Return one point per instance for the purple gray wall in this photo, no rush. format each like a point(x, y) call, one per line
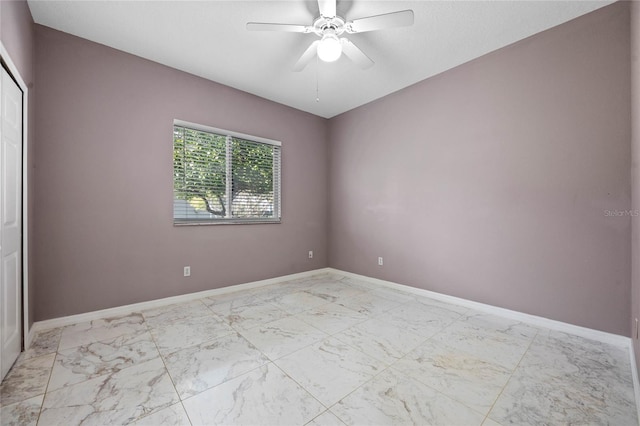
point(491, 181)
point(635, 171)
point(17, 35)
point(103, 218)
point(488, 182)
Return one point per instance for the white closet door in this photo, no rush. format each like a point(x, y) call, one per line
point(10, 221)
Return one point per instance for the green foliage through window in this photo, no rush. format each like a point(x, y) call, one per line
point(224, 178)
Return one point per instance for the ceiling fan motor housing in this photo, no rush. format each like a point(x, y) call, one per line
point(335, 23)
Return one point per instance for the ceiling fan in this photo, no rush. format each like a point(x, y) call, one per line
point(329, 27)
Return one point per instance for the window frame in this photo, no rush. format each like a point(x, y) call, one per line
point(277, 180)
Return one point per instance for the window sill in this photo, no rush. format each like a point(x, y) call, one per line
point(227, 222)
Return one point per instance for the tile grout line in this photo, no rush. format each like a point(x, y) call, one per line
point(391, 366)
point(422, 342)
point(294, 351)
point(386, 368)
point(304, 389)
point(101, 340)
point(46, 389)
point(510, 376)
point(324, 412)
point(439, 391)
point(382, 370)
point(374, 316)
point(237, 332)
point(234, 330)
point(328, 335)
point(168, 374)
point(58, 354)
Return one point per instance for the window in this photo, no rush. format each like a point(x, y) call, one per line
point(224, 177)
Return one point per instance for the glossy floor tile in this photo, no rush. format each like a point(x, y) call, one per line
point(324, 350)
point(569, 379)
point(332, 318)
point(284, 336)
point(245, 313)
point(23, 413)
point(198, 368)
point(297, 302)
point(263, 396)
point(117, 398)
point(463, 376)
point(173, 336)
point(44, 342)
point(330, 370)
point(102, 329)
point(97, 359)
point(26, 379)
point(326, 419)
point(392, 398)
point(170, 416)
point(425, 320)
point(383, 341)
point(176, 313)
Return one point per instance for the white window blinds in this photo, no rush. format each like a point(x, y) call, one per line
point(224, 177)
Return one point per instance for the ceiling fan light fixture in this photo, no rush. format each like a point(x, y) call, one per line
point(329, 48)
point(329, 26)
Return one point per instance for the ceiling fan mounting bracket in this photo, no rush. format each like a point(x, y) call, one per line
point(323, 24)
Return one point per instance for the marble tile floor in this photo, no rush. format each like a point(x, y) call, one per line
point(324, 350)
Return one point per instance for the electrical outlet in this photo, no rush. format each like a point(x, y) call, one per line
point(380, 261)
point(310, 254)
point(187, 271)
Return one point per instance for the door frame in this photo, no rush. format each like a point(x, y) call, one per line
point(13, 70)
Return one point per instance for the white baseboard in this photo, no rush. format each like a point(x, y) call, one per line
point(30, 335)
point(535, 320)
point(589, 333)
point(634, 375)
point(137, 307)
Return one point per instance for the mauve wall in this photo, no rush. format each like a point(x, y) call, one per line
point(635, 171)
point(490, 181)
point(17, 35)
point(103, 220)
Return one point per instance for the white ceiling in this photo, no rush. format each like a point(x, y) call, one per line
point(209, 39)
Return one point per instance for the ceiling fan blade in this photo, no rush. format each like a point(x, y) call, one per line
point(402, 18)
point(327, 8)
point(290, 28)
point(307, 56)
point(355, 54)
